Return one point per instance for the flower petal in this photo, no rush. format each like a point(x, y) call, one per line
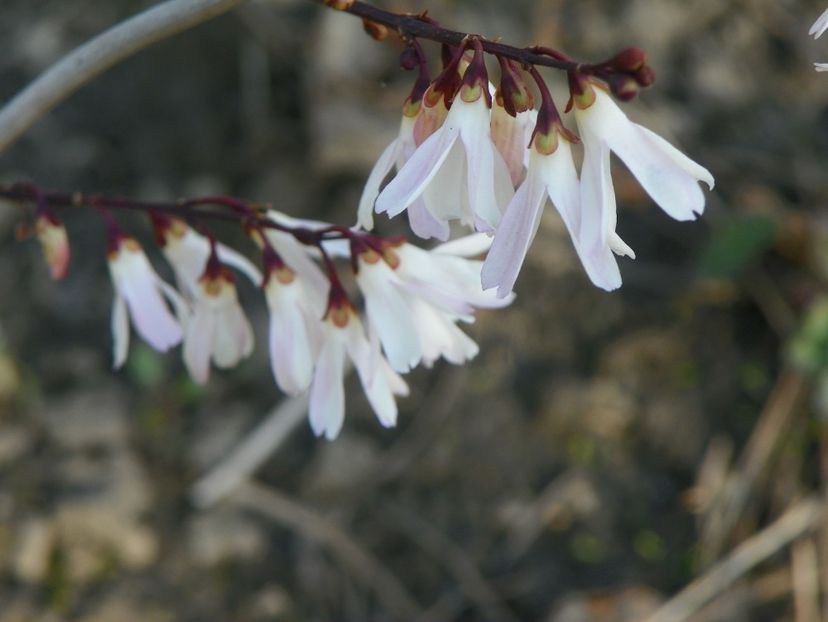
point(415, 175)
point(326, 408)
point(120, 331)
point(514, 235)
point(383, 166)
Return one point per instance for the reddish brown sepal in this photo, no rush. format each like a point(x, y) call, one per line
point(513, 93)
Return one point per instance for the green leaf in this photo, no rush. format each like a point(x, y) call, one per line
point(734, 246)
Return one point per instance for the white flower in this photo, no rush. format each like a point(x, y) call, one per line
point(419, 121)
point(218, 328)
point(459, 165)
point(139, 295)
point(187, 253)
point(343, 335)
point(509, 135)
point(413, 300)
point(552, 174)
point(669, 177)
point(294, 327)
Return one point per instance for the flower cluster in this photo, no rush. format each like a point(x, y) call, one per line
point(413, 302)
point(485, 157)
point(467, 151)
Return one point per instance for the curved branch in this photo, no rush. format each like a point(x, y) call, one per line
point(96, 56)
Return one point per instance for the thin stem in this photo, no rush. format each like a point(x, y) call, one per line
point(237, 211)
point(416, 26)
point(99, 54)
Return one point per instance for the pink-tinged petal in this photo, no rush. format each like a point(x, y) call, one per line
point(291, 356)
point(420, 169)
point(198, 343)
point(820, 25)
point(180, 306)
point(597, 218)
point(423, 224)
point(233, 337)
point(509, 136)
point(563, 186)
point(389, 314)
point(515, 234)
point(669, 177)
point(150, 315)
point(327, 394)
point(447, 197)
point(120, 332)
point(440, 337)
point(372, 375)
point(480, 160)
point(383, 166)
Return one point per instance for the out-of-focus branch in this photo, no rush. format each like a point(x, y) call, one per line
point(98, 55)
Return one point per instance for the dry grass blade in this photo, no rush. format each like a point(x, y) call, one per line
point(288, 512)
point(797, 521)
point(805, 571)
point(473, 584)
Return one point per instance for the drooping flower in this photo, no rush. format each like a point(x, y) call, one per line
point(414, 299)
point(551, 173)
point(139, 295)
point(461, 150)
point(512, 115)
point(294, 325)
point(343, 335)
point(218, 329)
point(669, 177)
point(55, 243)
point(187, 252)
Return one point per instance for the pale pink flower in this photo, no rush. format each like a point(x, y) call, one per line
point(551, 174)
point(509, 134)
point(139, 295)
point(294, 326)
point(419, 121)
point(414, 299)
point(218, 329)
point(343, 335)
point(187, 252)
point(669, 177)
point(460, 167)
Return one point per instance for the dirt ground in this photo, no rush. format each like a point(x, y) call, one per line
point(601, 453)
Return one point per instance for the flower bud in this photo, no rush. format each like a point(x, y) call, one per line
point(628, 61)
point(623, 87)
point(55, 244)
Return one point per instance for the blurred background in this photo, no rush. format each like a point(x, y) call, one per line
point(603, 452)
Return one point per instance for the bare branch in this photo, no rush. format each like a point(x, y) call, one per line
point(96, 56)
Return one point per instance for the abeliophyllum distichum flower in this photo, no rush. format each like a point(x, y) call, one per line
point(413, 298)
point(467, 153)
point(494, 161)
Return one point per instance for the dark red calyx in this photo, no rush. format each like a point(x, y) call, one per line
point(339, 309)
point(623, 87)
point(475, 82)
point(448, 82)
point(513, 93)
